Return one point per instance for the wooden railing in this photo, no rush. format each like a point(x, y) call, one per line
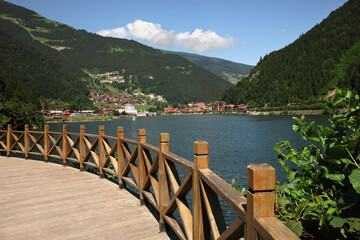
point(153, 171)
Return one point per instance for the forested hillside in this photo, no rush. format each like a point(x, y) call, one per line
point(325, 57)
point(230, 71)
point(36, 71)
point(77, 51)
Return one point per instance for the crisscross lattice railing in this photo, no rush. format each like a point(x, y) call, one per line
point(186, 194)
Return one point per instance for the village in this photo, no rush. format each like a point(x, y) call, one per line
point(106, 104)
point(135, 103)
point(201, 107)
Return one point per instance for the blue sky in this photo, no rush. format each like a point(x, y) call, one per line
point(236, 30)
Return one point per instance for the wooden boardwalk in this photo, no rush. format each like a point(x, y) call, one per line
point(41, 200)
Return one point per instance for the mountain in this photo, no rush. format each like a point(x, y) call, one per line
point(77, 53)
point(230, 71)
point(34, 70)
point(327, 56)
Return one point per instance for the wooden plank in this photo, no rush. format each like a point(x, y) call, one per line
point(235, 231)
point(114, 163)
point(130, 181)
point(33, 205)
point(91, 135)
point(73, 159)
point(175, 226)
point(35, 141)
point(3, 144)
point(146, 160)
point(113, 149)
point(110, 171)
point(134, 155)
point(107, 147)
point(130, 161)
point(55, 145)
point(95, 157)
point(135, 173)
point(17, 141)
point(271, 228)
point(183, 190)
point(150, 147)
point(36, 153)
point(232, 197)
point(52, 139)
point(126, 151)
point(186, 218)
point(77, 153)
point(151, 199)
point(210, 214)
point(155, 166)
point(90, 164)
point(110, 137)
point(182, 162)
point(152, 173)
point(4, 134)
point(173, 181)
point(55, 156)
point(132, 142)
point(155, 185)
point(88, 143)
point(70, 140)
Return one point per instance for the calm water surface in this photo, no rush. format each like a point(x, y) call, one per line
point(234, 141)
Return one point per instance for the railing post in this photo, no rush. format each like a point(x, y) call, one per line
point(101, 151)
point(121, 157)
point(8, 140)
point(260, 196)
point(164, 197)
point(46, 143)
point(201, 160)
point(141, 163)
point(65, 143)
point(26, 141)
point(82, 147)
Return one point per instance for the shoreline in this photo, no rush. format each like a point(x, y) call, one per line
point(80, 119)
point(252, 113)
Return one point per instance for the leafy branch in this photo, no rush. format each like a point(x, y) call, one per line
point(321, 197)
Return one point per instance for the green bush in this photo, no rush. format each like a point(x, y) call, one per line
point(18, 113)
point(321, 196)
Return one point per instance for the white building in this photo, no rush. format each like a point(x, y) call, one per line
point(130, 109)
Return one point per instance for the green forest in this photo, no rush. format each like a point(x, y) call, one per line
point(303, 72)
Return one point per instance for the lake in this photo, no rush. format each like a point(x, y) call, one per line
point(235, 141)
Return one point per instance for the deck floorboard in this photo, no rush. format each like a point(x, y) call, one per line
point(41, 200)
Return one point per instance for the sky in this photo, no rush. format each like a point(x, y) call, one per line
point(236, 30)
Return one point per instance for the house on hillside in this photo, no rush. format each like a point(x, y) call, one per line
point(241, 107)
point(200, 104)
point(171, 110)
point(220, 106)
point(130, 109)
point(121, 109)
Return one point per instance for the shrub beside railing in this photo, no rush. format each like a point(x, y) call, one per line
point(153, 171)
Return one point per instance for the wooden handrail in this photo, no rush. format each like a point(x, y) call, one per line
point(156, 173)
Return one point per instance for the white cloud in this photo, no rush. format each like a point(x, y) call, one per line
point(198, 40)
point(151, 32)
point(201, 41)
point(115, 32)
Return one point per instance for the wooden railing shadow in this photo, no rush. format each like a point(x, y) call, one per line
point(153, 172)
